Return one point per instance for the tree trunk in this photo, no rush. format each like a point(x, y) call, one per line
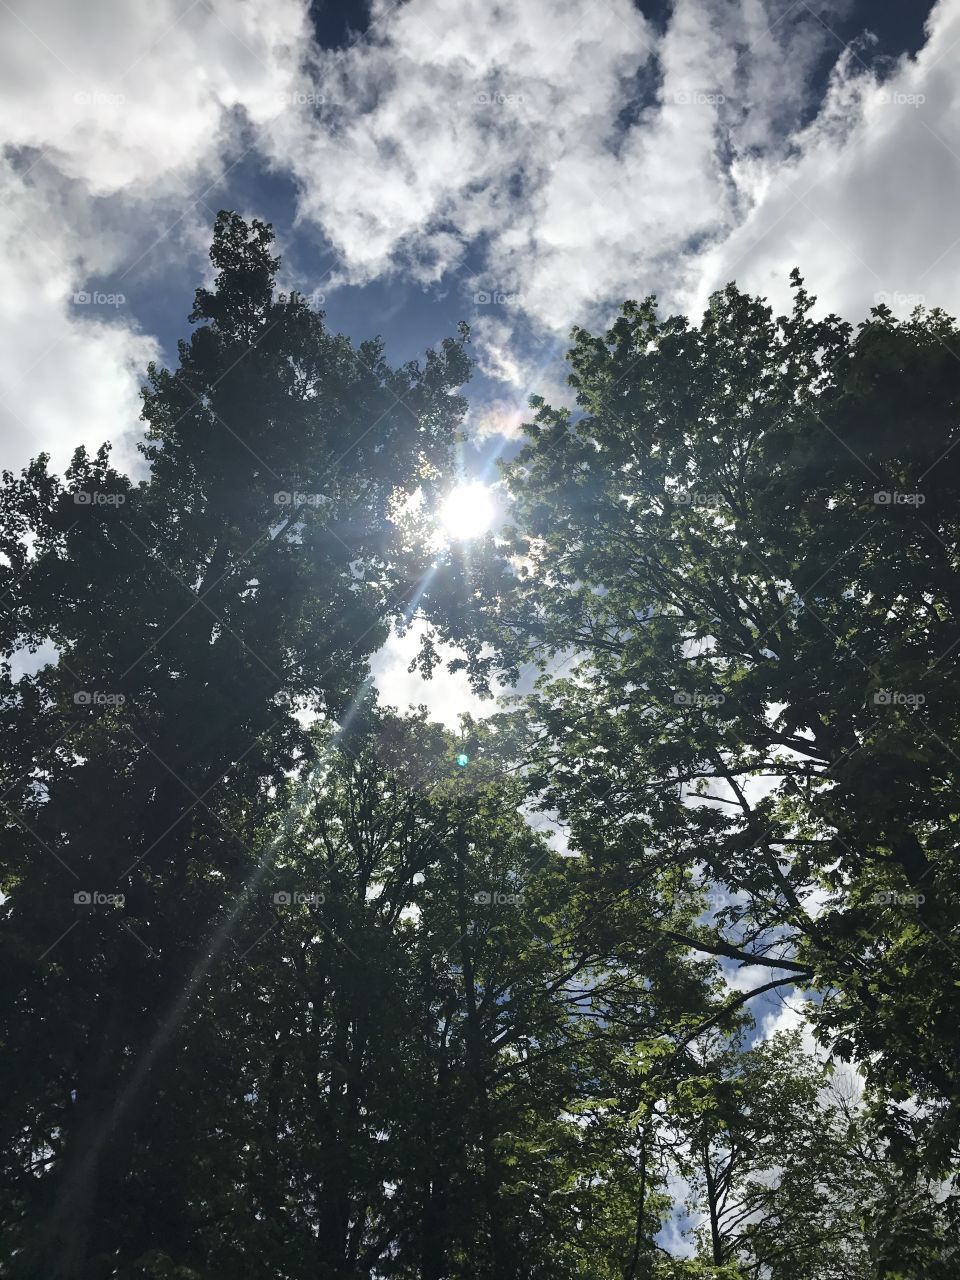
point(715, 1239)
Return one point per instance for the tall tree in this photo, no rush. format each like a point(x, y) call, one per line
point(789, 1177)
point(746, 543)
point(254, 569)
point(309, 995)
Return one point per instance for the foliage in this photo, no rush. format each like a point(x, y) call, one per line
point(736, 566)
point(329, 1003)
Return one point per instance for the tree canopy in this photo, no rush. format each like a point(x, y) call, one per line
point(296, 985)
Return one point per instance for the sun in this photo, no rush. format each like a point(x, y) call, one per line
point(467, 511)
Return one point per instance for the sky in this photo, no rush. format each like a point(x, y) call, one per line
point(523, 167)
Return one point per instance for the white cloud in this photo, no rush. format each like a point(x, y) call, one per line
point(576, 153)
point(126, 92)
point(479, 124)
point(442, 110)
point(68, 373)
point(863, 207)
point(498, 129)
point(111, 115)
point(446, 695)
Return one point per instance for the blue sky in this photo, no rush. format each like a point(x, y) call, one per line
point(412, 315)
point(559, 156)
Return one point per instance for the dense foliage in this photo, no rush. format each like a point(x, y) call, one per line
point(296, 986)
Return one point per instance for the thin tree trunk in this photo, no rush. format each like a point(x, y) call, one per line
point(631, 1271)
point(475, 1054)
point(716, 1241)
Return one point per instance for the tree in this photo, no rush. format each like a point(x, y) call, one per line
point(448, 1039)
point(295, 984)
point(744, 544)
point(253, 571)
point(789, 1176)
